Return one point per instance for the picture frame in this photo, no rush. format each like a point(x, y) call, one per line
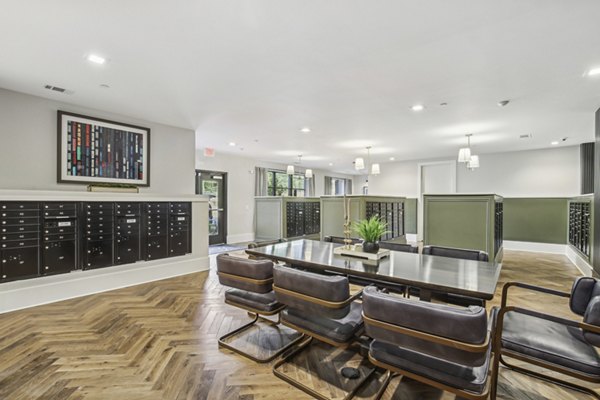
point(94, 150)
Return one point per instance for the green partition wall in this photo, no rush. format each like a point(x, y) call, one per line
point(410, 216)
point(464, 221)
point(541, 220)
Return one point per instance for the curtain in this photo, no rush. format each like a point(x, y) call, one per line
point(309, 186)
point(348, 186)
point(327, 185)
point(260, 182)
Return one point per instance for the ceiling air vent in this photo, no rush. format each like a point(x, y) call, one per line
point(526, 136)
point(58, 89)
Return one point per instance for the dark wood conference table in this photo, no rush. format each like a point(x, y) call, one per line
point(428, 273)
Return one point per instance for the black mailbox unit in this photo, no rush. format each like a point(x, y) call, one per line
point(157, 230)
point(19, 240)
point(59, 237)
point(44, 238)
point(180, 217)
point(127, 232)
point(97, 246)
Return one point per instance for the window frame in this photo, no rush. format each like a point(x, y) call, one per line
point(291, 190)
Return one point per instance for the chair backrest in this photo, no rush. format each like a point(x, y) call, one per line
point(412, 324)
point(254, 245)
point(403, 247)
point(246, 274)
point(451, 252)
point(339, 239)
point(310, 292)
point(585, 301)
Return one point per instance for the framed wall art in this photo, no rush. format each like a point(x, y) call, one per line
point(93, 150)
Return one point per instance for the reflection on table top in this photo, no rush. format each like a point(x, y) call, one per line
point(450, 275)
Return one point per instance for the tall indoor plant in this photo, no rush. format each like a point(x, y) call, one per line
point(370, 231)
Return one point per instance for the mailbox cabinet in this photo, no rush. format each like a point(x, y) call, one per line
point(53, 237)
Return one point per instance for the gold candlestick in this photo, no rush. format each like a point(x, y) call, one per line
point(347, 230)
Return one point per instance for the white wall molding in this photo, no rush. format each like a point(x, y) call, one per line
point(240, 238)
point(48, 289)
point(535, 247)
point(580, 262)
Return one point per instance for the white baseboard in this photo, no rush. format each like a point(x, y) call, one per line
point(412, 237)
point(48, 289)
point(580, 262)
point(535, 247)
point(240, 238)
point(573, 256)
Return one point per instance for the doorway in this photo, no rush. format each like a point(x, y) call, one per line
point(213, 184)
point(434, 178)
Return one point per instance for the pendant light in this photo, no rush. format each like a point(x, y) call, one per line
point(375, 169)
point(308, 174)
point(290, 170)
point(359, 163)
point(464, 154)
point(473, 162)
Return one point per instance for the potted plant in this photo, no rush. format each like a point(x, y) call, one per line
point(370, 230)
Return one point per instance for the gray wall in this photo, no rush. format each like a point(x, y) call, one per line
point(28, 146)
point(552, 172)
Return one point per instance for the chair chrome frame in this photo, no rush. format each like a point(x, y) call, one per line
point(258, 314)
point(311, 335)
point(499, 351)
point(393, 370)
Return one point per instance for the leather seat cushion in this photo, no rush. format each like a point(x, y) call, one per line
point(258, 301)
point(473, 379)
point(550, 341)
point(339, 330)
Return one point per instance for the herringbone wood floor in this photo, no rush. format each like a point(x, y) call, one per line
point(159, 341)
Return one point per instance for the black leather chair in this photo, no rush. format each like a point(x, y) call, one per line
point(443, 346)
point(402, 247)
point(562, 345)
point(451, 252)
point(340, 239)
point(252, 290)
point(463, 254)
point(321, 308)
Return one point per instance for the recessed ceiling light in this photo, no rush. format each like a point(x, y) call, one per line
point(96, 59)
point(554, 143)
point(104, 86)
point(594, 71)
point(418, 107)
point(444, 104)
point(331, 164)
point(232, 144)
point(392, 158)
point(503, 103)
point(306, 129)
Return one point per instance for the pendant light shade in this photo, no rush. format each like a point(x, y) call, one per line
point(359, 163)
point(473, 162)
point(290, 170)
point(308, 174)
point(464, 155)
point(375, 169)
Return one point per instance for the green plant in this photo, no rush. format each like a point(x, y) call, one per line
point(370, 230)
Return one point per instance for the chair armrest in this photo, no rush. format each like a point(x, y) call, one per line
point(316, 300)
point(532, 288)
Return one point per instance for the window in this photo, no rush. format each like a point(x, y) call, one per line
point(281, 184)
point(338, 186)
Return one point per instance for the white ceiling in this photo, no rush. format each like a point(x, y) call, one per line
point(255, 72)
